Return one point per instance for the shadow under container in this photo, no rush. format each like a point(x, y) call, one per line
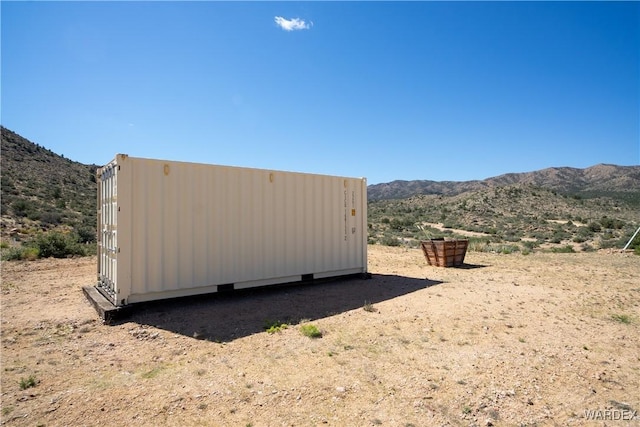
point(445, 253)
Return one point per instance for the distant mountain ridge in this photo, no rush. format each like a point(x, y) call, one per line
point(596, 179)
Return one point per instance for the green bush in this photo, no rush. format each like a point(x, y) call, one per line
point(558, 236)
point(21, 207)
point(508, 249)
point(607, 243)
point(26, 383)
point(564, 249)
point(611, 223)
point(274, 326)
point(18, 253)
point(86, 235)
point(52, 218)
point(310, 331)
point(635, 244)
point(594, 227)
point(58, 245)
point(390, 241)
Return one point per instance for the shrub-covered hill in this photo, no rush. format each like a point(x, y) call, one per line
point(508, 218)
point(42, 191)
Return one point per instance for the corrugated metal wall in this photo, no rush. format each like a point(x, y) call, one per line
point(184, 228)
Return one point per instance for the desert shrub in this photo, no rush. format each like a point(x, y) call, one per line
point(489, 230)
point(58, 245)
point(559, 236)
point(411, 243)
point(606, 243)
point(53, 218)
point(583, 233)
point(388, 240)
point(594, 227)
point(12, 254)
point(622, 318)
point(400, 224)
point(477, 244)
point(611, 223)
point(408, 233)
point(274, 326)
point(369, 307)
point(508, 249)
point(635, 243)
point(21, 207)
point(34, 215)
point(86, 235)
point(26, 383)
point(310, 331)
point(511, 236)
point(56, 193)
point(564, 249)
point(587, 248)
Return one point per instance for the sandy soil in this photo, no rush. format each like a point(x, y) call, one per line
point(541, 339)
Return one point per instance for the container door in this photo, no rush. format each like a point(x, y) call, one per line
point(108, 231)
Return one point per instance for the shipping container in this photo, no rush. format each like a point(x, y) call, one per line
point(169, 229)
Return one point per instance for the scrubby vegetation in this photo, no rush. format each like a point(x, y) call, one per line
point(49, 209)
point(515, 218)
point(54, 244)
point(48, 202)
point(310, 330)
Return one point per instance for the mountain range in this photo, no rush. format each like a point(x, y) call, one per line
point(598, 179)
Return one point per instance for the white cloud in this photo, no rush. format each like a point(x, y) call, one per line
point(292, 24)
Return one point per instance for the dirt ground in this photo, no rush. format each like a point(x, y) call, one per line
point(539, 339)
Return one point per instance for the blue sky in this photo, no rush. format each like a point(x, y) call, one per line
point(385, 90)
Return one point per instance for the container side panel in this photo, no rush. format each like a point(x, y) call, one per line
point(147, 225)
point(198, 227)
point(195, 226)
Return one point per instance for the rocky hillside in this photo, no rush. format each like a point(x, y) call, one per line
point(42, 190)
